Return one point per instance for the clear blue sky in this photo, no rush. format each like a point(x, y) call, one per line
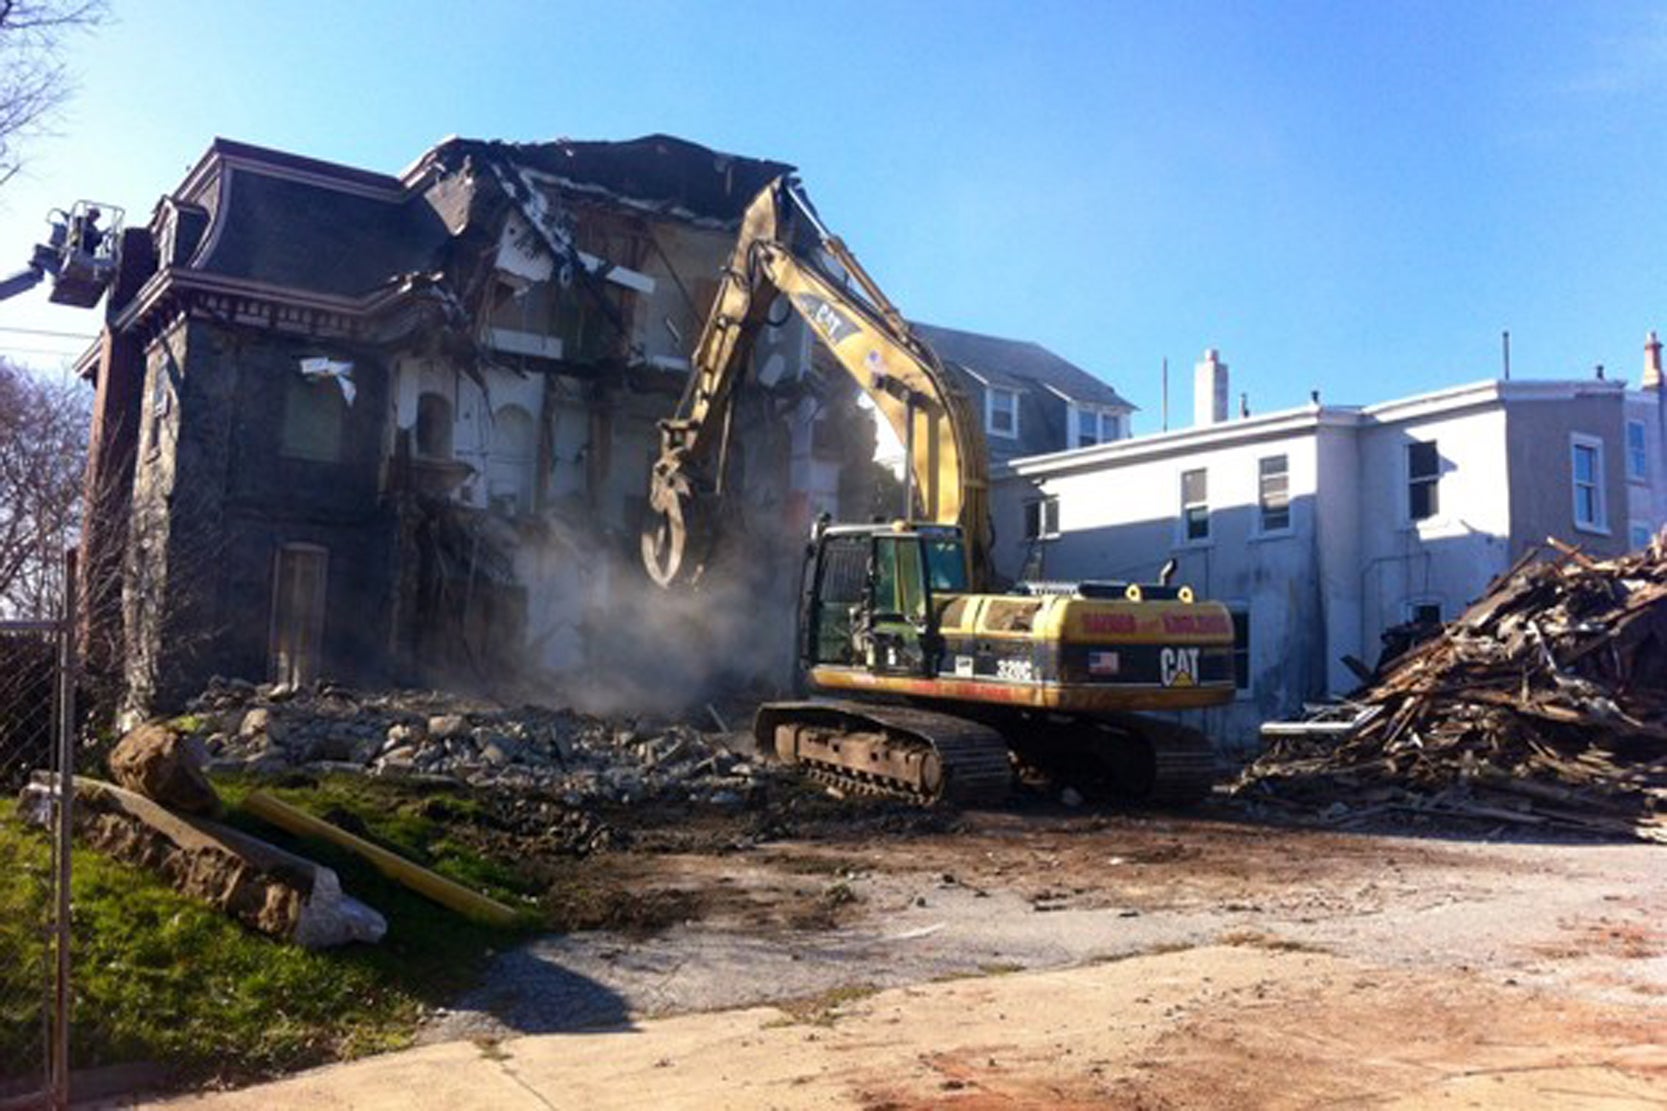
point(1353, 196)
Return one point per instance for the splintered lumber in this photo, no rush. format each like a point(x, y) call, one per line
point(1543, 704)
point(431, 885)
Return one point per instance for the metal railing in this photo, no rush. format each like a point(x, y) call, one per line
point(37, 741)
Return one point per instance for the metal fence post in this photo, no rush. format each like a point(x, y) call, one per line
point(68, 668)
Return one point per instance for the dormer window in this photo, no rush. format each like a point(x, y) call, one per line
point(1001, 412)
point(1095, 426)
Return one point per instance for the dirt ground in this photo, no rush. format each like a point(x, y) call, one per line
point(1049, 958)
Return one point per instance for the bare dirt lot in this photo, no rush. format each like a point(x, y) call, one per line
point(1051, 958)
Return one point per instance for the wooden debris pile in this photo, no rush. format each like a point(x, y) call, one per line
point(1544, 705)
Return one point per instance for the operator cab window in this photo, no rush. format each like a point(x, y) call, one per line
point(844, 575)
point(946, 565)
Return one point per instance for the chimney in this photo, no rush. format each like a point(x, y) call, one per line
point(1209, 389)
point(1652, 363)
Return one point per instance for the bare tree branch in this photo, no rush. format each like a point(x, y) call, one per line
point(43, 438)
point(34, 83)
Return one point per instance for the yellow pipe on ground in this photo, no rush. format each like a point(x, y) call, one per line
point(470, 904)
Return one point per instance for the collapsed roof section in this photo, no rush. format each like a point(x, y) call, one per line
point(257, 235)
point(656, 175)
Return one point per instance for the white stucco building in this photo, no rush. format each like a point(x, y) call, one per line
point(1322, 526)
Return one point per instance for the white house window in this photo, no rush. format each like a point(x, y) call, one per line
point(1002, 412)
point(1637, 454)
point(1096, 426)
point(1041, 518)
point(1423, 480)
point(1274, 492)
point(1195, 505)
point(1586, 466)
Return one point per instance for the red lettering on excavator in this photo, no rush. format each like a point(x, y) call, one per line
point(1108, 623)
point(1195, 623)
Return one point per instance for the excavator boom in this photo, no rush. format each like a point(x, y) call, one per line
point(777, 256)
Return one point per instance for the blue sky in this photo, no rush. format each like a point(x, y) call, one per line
point(1349, 196)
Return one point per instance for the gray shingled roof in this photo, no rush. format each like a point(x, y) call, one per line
point(308, 236)
point(1016, 364)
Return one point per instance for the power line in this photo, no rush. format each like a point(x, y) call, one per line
point(44, 332)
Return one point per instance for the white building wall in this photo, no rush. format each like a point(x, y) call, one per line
point(1449, 558)
point(1119, 519)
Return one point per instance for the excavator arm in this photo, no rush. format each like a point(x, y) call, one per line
point(780, 253)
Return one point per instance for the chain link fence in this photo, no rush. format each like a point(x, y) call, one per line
point(37, 712)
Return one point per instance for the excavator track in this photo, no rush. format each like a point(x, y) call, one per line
point(898, 751)
point(1140, 760)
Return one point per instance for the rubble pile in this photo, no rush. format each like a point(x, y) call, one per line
point(1544, 705)
point(576, 757)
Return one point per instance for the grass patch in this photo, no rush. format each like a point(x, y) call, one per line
point(823, 1008)
point(165, 978)
point(426, 824)
point(1273, 943)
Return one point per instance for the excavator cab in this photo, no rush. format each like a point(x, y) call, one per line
point(872, 593)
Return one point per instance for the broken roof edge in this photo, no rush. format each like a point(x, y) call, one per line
point(657, 173)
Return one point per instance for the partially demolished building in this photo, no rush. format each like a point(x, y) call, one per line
point(398, 428)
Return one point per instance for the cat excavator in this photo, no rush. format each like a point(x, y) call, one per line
point(925, 679)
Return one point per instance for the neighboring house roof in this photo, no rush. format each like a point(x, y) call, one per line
point(1017, 364)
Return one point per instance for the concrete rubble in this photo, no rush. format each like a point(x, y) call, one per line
point(580, 759)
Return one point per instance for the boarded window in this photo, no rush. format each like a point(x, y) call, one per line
point(1423, 480)
point(1195, 505)
point(314, 413)
point(299, 580)
point(1274, 493)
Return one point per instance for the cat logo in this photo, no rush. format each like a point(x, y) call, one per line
point(1178, 667)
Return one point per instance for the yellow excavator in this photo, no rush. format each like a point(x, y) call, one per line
point(926, 680)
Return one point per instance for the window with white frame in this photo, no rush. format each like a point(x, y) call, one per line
point(1041, 518)
point(1423, 480)
point(1001, 415)
point(1095, 426)
point(1637, 452)
point(1586, 472)
point(1273, 493)
point(1195, 505)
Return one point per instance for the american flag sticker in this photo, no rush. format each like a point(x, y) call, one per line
point(1103, 663)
